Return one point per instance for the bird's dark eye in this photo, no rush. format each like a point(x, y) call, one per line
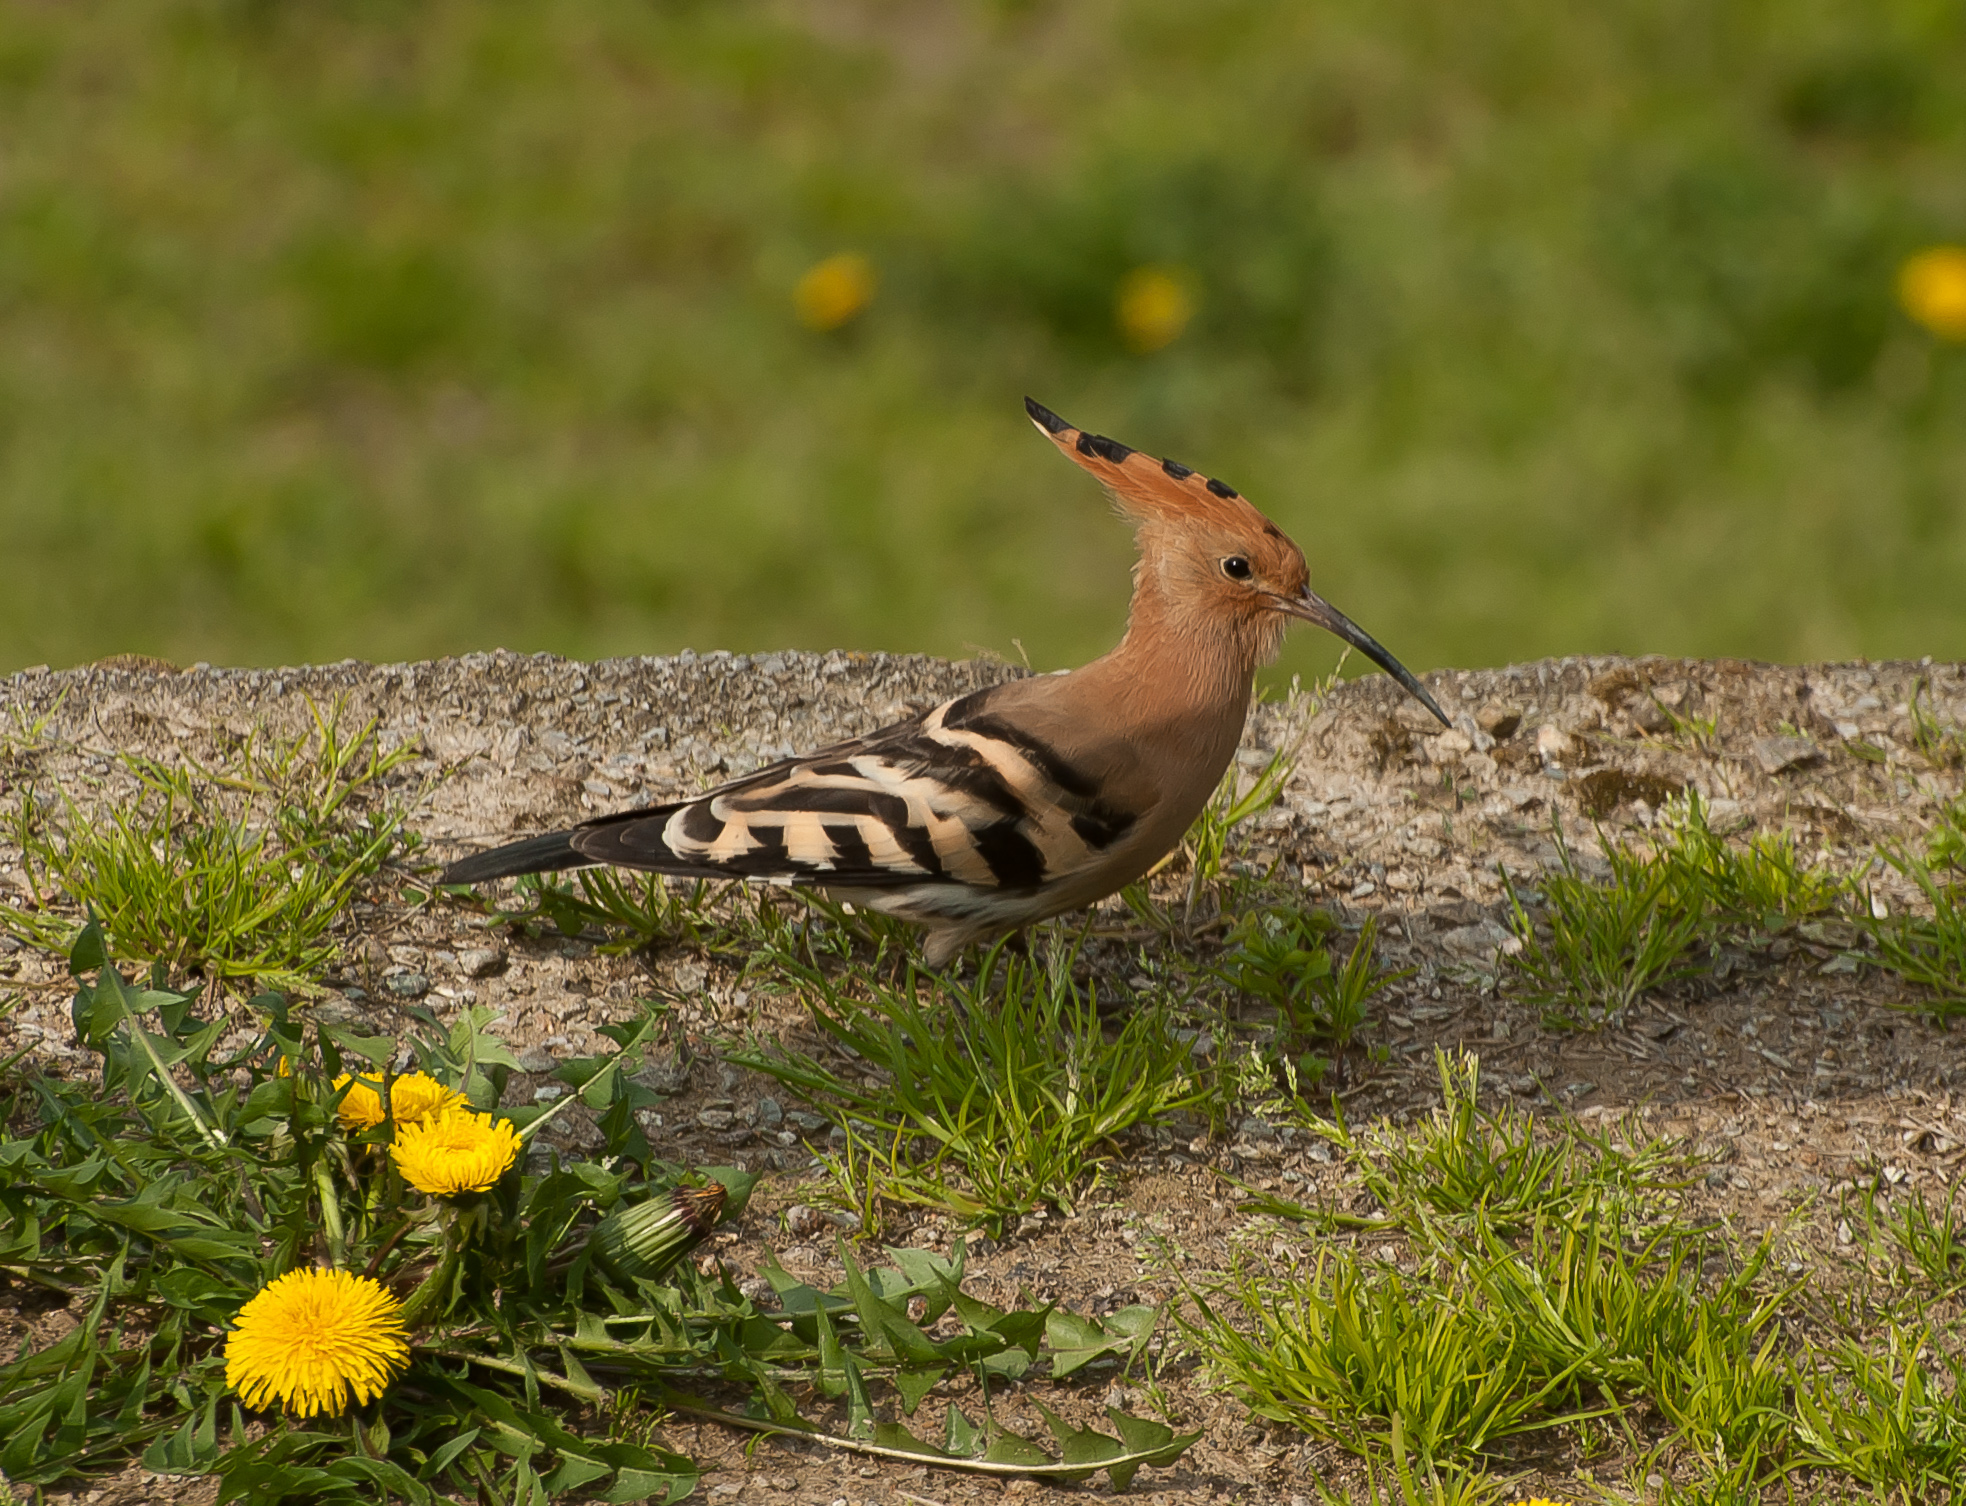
point(1236, 567)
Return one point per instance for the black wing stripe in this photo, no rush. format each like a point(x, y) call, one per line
point(700, 823)
point(1100, 826)
point(1013, 858)
point(851, 847)
point(1045, 758)
point(961, 770)
point(919, 845)
point(831, 800)
point(767, 858)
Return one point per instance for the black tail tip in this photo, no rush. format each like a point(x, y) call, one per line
point(1044, 418)
point(543, 854)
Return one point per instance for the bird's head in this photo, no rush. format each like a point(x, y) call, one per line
point(1213, 553)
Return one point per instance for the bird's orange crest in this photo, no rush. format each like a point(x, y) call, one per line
point(1143, 488)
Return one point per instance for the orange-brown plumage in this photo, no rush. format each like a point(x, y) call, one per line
point(1033, 797)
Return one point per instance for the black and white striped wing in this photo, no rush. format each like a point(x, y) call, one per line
point(955, 797)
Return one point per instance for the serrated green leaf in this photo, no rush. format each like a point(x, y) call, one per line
point(974, 1311)
point(885, 1329)
point(1008, 1448)
point(894, 1436)
point(18, 1457)
point(191, 1450)
point(89, 952)
point(273, 1098)
point(643, 1485)
point(1009, 1364)
point(198, 1292)
point(832, 1359)
point(964, 1439)
point(1078, 1445)
point(1023, 1328)
point(448, 1454)
point(915, 1384)
point(859, 1405)
point(1147, 1443)
point(575, 1471)
point(935, 1278)
point(377, 1050)
point(1074, 1341)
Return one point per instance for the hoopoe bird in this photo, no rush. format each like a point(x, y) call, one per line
point(1033, 797)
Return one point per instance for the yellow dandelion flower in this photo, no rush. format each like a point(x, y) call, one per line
point(1153, 307)
point(414, 1096)
point(311, 1337)
point(457, 1151)
point(1932, 289)
point(835, 291)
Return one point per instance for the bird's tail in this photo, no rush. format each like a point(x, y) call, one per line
point(544, 854)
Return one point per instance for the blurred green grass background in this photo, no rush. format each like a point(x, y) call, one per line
point(396, 329)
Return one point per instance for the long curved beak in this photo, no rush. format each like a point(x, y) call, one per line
point(1314, 608)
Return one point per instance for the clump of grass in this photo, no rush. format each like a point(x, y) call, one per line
point(1945, 844)
point(1602, 944)
point(1465, 1167)
point(1280, 957)
point(1941, 744)
point(986, 1099)
point(325, 787)
point(1546, 1286)
point(1930, 950)
point(1207, 842)
point(1342, 1348)
point(1763, 884)
point(1930, 1242)
point(1892, 1416)
point(632, 910)
point(1580, 1319)
point(1693, 732)
point(1428, 1485)
point(1552, 1285)
point(187, 875)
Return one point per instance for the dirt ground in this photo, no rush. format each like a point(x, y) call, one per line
point(1797, 1071)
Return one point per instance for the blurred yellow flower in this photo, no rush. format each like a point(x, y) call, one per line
point(835, 291)
point(457, 1151)
point(413, 1096)
point(1153, 307)
point(310, 1337)
point(1932, 288)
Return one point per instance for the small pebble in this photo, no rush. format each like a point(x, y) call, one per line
point(1778, 754)
point(1553, 745)
point(480, 961)
point(804, 1222)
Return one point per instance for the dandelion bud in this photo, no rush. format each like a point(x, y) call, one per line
point(644, 1239)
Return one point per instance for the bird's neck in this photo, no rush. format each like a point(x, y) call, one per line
point(1179, 665)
